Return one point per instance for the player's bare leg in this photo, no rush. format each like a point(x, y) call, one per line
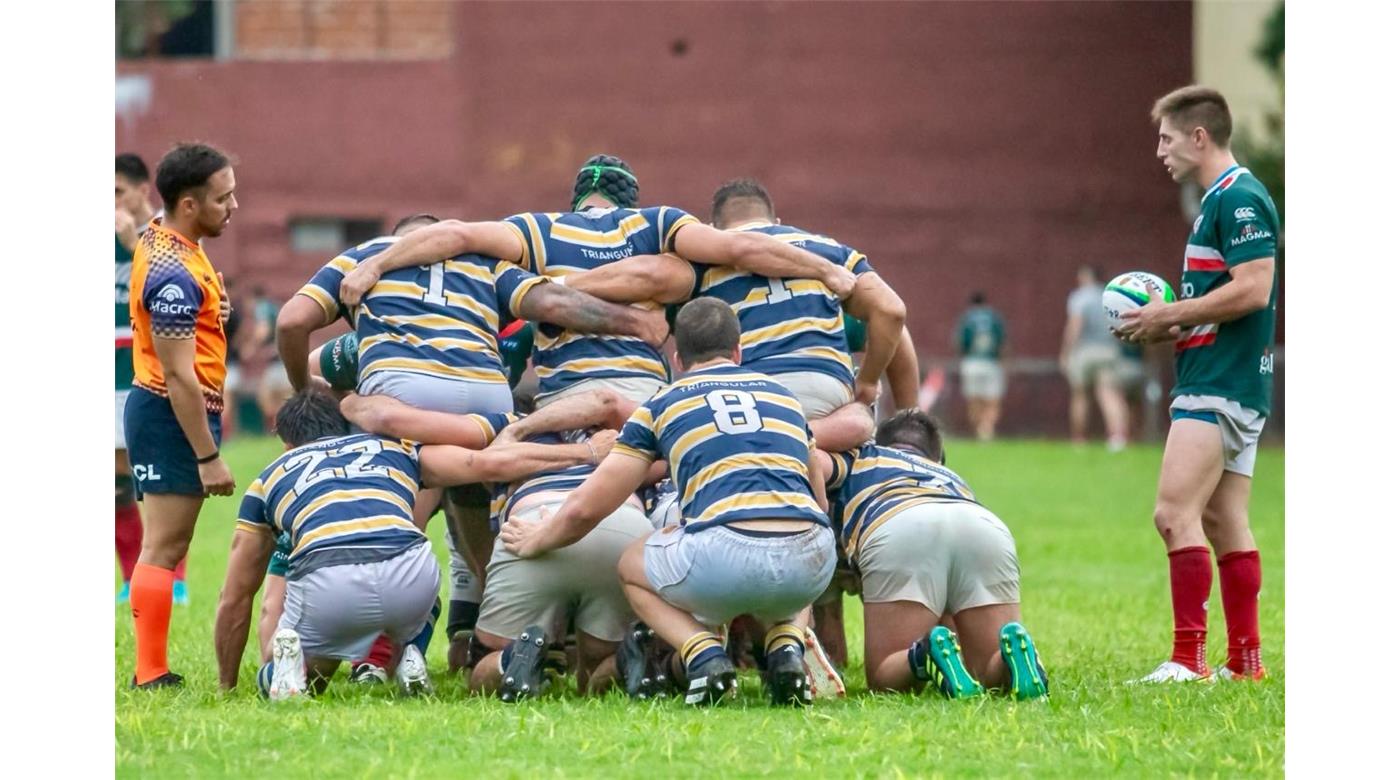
point(486, 675)
point(597, 664)
point(1114, 406)
point(128, 522)
point(991, 414)
point(1192, 465)
point(273, 600)
point(979, 630)
point(700, 655)
point(1226, 523)
point(890, 628)
point(1078, 414)
point(170, 521)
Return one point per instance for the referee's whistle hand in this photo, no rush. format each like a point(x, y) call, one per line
point(217, 479)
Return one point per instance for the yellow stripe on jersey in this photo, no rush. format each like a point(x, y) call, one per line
point(485, 312)
point(632, 452)
point(772, 500)
point(245, 525)
point(719, 274)
point(519, 296)
point(676, 410)
point(642, 416)
point(435, 342)
point(351, 527)
point(787, 402)
point(428, 321)
point(538, 242)
point(778, 426)
point(686, 442)
point(853, 259)
point(389, 288)
point(821, 353)
point(342, 263)
point(349, 496)
point(604, 238)
point(584, 365)
point(524, 260)
point(788, 328)
point(668, 241)
point(432, 368)
point(473, 270)
point(328, 304)
point(732, 463)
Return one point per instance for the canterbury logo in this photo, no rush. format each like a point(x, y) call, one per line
point(170, 293)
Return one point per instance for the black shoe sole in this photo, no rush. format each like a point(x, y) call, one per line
point(167, 680)
point(632, 663)
point(523, 678)
point(788, 685)
point(717, 687)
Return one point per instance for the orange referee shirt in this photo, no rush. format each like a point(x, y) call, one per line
point(175, 294)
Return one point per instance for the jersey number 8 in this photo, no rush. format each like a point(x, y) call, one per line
point(735, 411)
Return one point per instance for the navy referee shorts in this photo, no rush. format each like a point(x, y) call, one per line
point(161, 457)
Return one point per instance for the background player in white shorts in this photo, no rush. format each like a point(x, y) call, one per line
point(1090, 358)
point(980, 338)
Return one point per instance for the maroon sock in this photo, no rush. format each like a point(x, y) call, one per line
point(381, 653)
point(128, 539)
point(1190, 576)
point(1239, 590)
point(180, 569)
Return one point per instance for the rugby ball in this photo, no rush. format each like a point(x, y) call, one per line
point(1130, 291)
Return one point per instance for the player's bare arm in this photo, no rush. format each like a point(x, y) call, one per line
point(873, 301)
point(427, 245)
point(599, 496)
point(659, 278)
point(385, 416)
point(845, 428)
point(1248, 290)
point(447, 466)
point(595, 408)
point(760, 254)
point(902, 374)
point(298, 319)
point(176, 356)
point(816, 476)
point(583, 313)
point(247, 564)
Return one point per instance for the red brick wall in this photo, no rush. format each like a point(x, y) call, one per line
point(962, 146)
point(342, 29)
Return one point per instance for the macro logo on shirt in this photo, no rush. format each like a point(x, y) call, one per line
point(167, 298)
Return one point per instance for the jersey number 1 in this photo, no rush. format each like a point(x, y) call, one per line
point(435, 282)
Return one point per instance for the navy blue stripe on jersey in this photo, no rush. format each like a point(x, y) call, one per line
point(737, 445)
point(788, 325)
point(347, 493)
point(439, 320)
point(557, 245)
point(871, 484)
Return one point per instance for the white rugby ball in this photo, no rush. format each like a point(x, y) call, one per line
point(1131, 291)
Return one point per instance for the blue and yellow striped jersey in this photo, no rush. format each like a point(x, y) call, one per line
point(440, 320)
point(344, 499)
point(871, 484)
point(787, 325)
point(737, 444)
point(505, 496)
point(556, 245)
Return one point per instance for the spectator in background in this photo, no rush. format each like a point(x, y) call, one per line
point(237, 331)
point(1091, 359)
point(273, 387)
point(980, 337)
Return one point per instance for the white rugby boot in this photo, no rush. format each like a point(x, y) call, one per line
point(288, 666)
point(1169, 671)
point(412, 673)
point(825, 680)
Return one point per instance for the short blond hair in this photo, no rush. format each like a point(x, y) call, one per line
point(1195, 106)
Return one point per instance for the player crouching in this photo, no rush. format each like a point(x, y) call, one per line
point(755, 538)
point(925, 549)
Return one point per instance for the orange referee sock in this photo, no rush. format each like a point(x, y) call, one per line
point(150, 612)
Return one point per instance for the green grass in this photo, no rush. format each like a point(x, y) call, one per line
point(1094, 584)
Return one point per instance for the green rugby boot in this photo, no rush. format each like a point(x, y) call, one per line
point(943, 664)
point(1028, 677)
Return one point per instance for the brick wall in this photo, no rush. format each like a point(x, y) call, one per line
point(343, 29)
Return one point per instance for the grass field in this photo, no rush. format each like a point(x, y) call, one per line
point(1094, 585)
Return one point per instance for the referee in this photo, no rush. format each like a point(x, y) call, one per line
point(178, 309)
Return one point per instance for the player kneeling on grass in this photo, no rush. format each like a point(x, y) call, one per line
point(755, 537)
point(359, 567)
point(925, 548)
point(527, 604)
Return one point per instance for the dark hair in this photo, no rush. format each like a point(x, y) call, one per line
point(1195, 106)
point(184, 168)
point(706, 328)
point(978, 298)
point(310, 415)
point(608, 176)
point(413, 219)
point(740, 190)
point(133, 167)
point(912, 428)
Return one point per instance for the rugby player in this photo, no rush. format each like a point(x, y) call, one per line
point(755, 539)
point(605, 226)
point(924, 549)
point(1223, 326)
point(793, 329)
point(172, 414)
point(358, 566)
point(528, 604)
